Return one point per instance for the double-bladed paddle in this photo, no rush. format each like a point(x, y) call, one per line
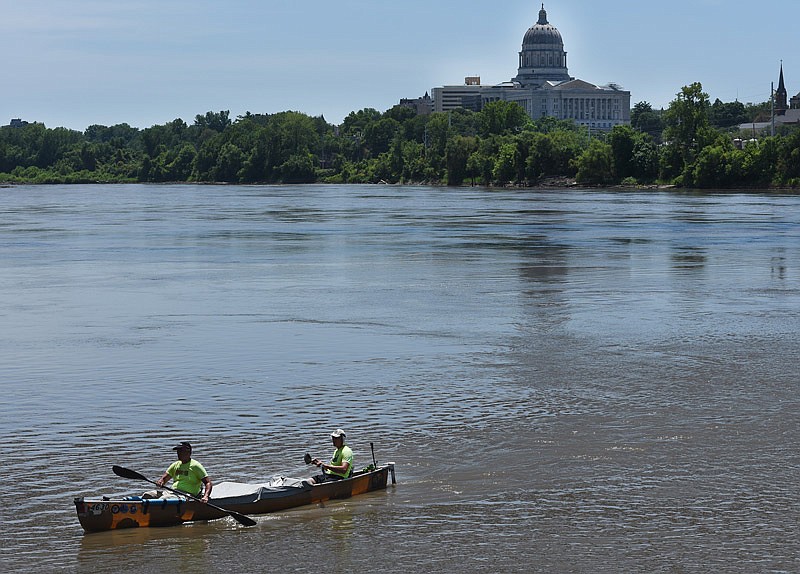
point(132, 474)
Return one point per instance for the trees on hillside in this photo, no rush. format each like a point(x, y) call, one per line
point(684, 144)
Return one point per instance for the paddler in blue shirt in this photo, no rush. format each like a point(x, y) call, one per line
point(187, 474)
point(341, 464)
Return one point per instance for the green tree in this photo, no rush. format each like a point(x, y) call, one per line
point(481, 162)
point(711, 169)
point(670, 162)
point(356, 122)
point(687, 118)
point(595, 164)
point(400, 114)
point(298, 134)
point(498, 118)
point(215, 121)
point(180, 168)
point(437, 134)
point(622, 140)
point(645, 159)
point(647, 120)
point(229, 161)
point(458, 151)
point(298, 168)
point(553, 154)
point(158, 138)
point(788, 160)
point(378, 135)
point(727, 115)
point(687, 130)
point(758, 112)
point(507, 163)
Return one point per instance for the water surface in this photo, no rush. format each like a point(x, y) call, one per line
point(568, 381)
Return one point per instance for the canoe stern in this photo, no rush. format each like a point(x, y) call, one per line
point(133, 512)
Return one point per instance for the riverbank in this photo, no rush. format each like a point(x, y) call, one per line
point(558, 182)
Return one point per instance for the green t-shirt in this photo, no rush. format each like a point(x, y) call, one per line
point(339, 456)
point(187, 477)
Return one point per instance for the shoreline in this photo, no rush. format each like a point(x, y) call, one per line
point(554, 183)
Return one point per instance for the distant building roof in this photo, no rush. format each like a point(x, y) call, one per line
point(789, 117)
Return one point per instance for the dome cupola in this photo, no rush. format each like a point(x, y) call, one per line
point(542, 57)
point(542, 33)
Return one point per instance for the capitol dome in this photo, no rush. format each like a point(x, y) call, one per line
point(542, 58)
point(542, 33)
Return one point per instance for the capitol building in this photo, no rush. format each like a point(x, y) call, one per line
point(543, 86)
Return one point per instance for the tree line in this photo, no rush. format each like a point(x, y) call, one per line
point(693, 143)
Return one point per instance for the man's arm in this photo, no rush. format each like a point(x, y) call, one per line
point(208, 486)
point(342, 468)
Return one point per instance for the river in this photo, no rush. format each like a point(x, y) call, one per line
point(567, 381)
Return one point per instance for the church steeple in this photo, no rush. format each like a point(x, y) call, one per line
point(781, 95)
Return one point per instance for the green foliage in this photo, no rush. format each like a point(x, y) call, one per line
point(645, 160)
point(356, 122)
point(552, 153)
point(298, 168)
point(217, 122)
point(645, 119)
point(506, 164)
point(622, 141)
point(635, 155)
point(758, 112)
point(458, 152)
point(727, 115)
point(498, 118)
point(378, 135)
point(497, 145)
point(687, 118)
point(596, 164)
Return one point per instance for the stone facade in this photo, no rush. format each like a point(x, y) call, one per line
point(543, 86)
point(421, 106)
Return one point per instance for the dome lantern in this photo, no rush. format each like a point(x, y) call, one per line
point(542, 16)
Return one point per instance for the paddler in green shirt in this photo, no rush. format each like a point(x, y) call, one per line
point(187, 474)
point(341, 464)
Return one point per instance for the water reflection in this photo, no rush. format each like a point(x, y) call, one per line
point(178, 549)
point(688, 259)
point(778, 266)
point(342, 531)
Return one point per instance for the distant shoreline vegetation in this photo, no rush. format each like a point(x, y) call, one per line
point(692, 144)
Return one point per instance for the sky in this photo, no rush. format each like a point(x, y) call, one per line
point(75, 63)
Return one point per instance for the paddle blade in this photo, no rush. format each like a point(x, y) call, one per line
point(307, 458)
point(128, 473)
point(241, 518)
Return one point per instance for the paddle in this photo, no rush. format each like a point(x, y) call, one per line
point(133, 475)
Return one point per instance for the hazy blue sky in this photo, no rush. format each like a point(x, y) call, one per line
point(74, 63)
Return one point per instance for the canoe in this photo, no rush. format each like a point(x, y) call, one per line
point(98, 514)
